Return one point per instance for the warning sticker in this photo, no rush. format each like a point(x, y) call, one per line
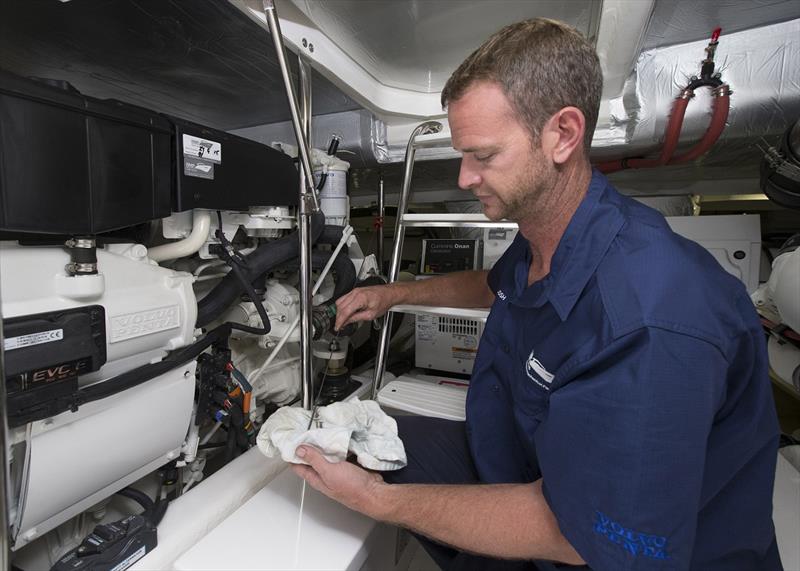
point(198, 168)
point(464, 353)
point(426, 328)
point(202, 149)
point(33, 339)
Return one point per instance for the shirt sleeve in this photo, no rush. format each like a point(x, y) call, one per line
point(506, 262)
point(623, 449)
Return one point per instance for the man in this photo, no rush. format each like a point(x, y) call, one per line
point(619, 413)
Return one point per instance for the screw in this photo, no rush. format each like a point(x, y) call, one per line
point(311, 48)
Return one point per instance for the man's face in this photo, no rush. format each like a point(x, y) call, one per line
point(500, 165)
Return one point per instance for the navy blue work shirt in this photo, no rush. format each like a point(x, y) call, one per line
point(632, 379)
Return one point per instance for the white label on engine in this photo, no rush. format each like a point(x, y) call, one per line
point(33, 339)
point(130, 559)
point(132, 325)
point(202, 149)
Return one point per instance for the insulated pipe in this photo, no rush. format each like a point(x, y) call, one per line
point(397, 249)
point(722, 104)
point(201, 226)
point(302, 143)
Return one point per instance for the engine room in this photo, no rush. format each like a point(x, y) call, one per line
point(187, 189)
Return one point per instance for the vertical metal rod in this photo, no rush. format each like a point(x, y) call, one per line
point(397, 248)
point(303, 152)
point(5, 501)
point(381, 214)
point(306, 327)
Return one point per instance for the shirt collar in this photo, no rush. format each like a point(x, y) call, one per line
point(593, 227)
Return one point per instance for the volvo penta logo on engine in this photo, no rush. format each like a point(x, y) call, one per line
point(538, 374)
point(141, 323)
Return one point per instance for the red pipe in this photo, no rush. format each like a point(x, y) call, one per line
point(721, 107)
point(722, 104)
point(671, 137)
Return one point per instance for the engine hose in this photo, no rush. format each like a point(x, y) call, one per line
point(259, 262)
point(342, 266)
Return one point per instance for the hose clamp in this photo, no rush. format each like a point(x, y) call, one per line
point(83, 243)
point(722, 91)
point(80, 268)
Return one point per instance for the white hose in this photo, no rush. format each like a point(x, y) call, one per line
point(201, 227)
point(345, 235)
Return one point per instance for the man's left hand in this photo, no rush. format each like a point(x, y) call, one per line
point(344, 482)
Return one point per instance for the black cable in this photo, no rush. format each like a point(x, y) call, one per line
point(235, 261)
point(145, 373)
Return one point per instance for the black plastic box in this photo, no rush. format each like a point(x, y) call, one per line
point(221, 171)
point(71, 164)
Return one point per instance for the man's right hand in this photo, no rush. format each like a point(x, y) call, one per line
point(364, 304)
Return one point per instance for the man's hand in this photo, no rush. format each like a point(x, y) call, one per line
point(364, 304)
point(344, 482)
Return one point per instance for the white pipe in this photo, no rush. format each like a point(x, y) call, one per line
point(188, 246)
point(203, 267)
point(211, 433)
point(209, 277)
point(348, 230)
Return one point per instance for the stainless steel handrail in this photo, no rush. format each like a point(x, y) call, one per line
point(397, 249)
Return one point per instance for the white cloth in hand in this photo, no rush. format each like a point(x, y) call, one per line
point(360, 427)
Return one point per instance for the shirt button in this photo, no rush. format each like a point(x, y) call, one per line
point(496, 388)
point(506, 349)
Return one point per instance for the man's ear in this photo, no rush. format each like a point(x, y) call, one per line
point(562, 134)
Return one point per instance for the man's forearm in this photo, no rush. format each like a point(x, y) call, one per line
point(511, 521)
point(459, 289)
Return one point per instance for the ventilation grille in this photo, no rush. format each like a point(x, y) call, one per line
point(458, 326)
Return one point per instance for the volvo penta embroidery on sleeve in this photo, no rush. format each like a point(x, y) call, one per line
point(632, 541)
point(537, 372)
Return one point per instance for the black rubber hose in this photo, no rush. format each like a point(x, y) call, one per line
point(342, 266)
point(264, 258)
point(158, 511)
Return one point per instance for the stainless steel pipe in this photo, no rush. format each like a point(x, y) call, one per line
point(397, 249)
point(381, 215)
point(303, 152)
point(306, 327)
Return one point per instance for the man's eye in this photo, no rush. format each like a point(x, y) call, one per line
point(484, 158)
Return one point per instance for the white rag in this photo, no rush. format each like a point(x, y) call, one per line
point(360, 427)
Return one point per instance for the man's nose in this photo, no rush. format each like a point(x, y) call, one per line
point(468, 177)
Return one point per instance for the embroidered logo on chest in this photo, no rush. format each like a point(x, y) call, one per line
point(501, 295)
point(537, 373)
